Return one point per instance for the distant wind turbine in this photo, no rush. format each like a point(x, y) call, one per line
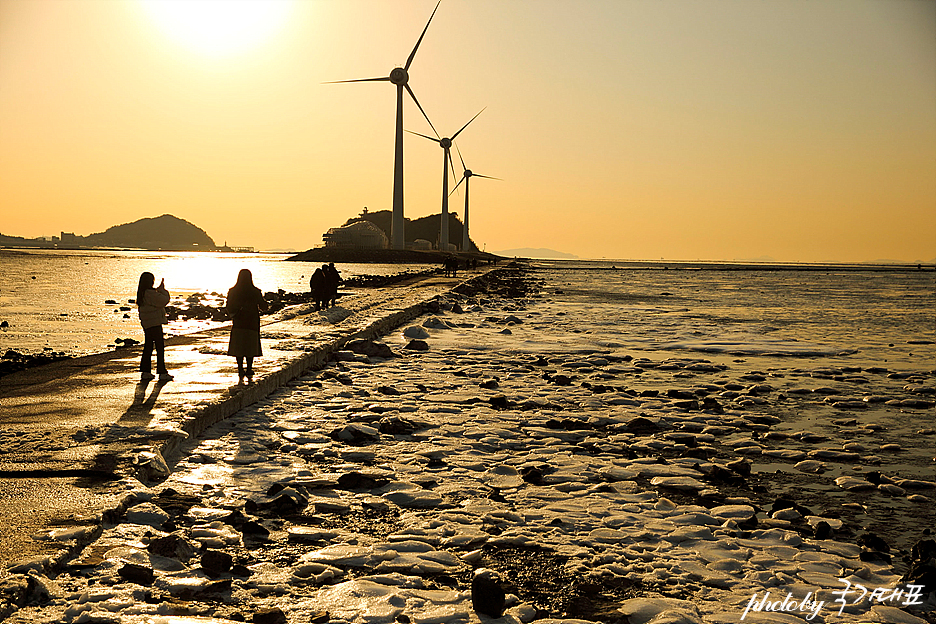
point(400, 77)
point(446, 144)
point(466, 178)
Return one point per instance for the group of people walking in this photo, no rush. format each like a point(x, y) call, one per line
point(324, 285)
point(244, 304)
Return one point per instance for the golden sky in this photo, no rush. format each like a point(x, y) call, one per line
point(801, 130)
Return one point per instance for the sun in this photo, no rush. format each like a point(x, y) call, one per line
point(218, 28)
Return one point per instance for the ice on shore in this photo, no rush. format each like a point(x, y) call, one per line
point(616, 491)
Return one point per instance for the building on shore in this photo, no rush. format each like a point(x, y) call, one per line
point(357, 235)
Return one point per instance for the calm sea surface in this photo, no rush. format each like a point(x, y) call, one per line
point(823, 317)
point(57, 300)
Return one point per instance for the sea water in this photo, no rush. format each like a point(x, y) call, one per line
point(57, 300)
point(829, 316)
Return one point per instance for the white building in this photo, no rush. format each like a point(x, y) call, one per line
point(359, 235)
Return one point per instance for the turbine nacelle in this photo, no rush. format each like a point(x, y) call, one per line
point(468, 173)
point(399, 76)
point(446, 143)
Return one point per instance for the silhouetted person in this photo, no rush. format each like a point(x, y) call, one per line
point(333, 278)
point(319, 286)
point(151, 302)
point(244, 304)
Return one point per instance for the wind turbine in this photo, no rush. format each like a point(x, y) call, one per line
point(399, 76)
point(446, 144)
point(466, 178)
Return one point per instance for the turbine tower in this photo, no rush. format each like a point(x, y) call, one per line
point(466, 178)
point(399, 76)
point(446, 144)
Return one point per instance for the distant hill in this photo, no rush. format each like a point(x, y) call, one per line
point(540, 253)
point(426, 228)
point(164, 232)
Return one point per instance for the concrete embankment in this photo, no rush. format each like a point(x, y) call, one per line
point(70, 430)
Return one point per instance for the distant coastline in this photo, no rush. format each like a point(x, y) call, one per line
point(386, 256)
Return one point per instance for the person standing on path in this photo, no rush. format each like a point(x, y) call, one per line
point(151, 302)
point(244, 304)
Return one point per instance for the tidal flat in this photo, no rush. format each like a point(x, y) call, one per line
point(599, 482)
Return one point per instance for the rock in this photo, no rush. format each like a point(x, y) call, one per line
point(415, 332)
point(151, 467)
point(270, 616)
point(173, 546)
point(358, 481)
point(434, 322)
point(370, 348)
point(284, 502)
point(216, 562)
point(355, 434)
point(487, 595)
point(742, 466)
point(823, 530)
point(641, 425)
point(417, 345)
point(147, 514)
point(14, 591)
point(397, 425)
point(873, 542)
point(133, 573)
point(922, 565)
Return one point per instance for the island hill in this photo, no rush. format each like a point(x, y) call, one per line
point(365, 238)
point(163, 233)
point(361, 239)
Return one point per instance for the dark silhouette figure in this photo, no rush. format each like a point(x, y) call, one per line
point(450, 266)
point(151, 303)
point(333, 279)
point(318, 283)
point(244, 304)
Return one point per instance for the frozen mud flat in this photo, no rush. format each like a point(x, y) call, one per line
point(599, 486)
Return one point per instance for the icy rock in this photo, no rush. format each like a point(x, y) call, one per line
point(414, 499)
point(151, 467)
point(434, 322)
point(147, 514)
point(810, 465)
point(853, 484)
point(686, 484)
point(732, 512)
point(503, 477)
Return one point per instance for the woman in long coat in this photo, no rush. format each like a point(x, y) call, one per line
point(244, 304)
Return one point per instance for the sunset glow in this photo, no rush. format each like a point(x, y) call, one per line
point(712, 129)
point(218, 28)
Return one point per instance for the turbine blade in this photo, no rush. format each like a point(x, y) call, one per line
point(425, 136)
point(460, 157)
point(413, 95)
point(384, 79)
point(466, 125)
point(416, 47)
point(452, 165)
point(457, 185)
point(478, 175)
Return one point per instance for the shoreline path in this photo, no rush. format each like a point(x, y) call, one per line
point(371, 488)
point(68, 428)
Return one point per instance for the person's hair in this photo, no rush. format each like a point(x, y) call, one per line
point(244, 279)
point(147, 281)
